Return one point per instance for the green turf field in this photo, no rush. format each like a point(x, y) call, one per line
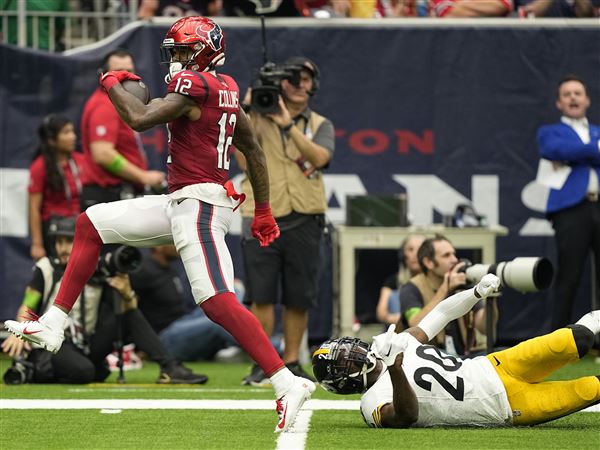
point(116, 428)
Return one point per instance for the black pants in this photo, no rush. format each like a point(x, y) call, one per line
point(93, 194)
point(289, 265)
point(72, 366)
point(577, 231)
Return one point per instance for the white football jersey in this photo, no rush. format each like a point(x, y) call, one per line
point(450, 391)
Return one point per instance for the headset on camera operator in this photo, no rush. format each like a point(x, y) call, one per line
point(298, 144)
point(92, 324)
point(443, 275)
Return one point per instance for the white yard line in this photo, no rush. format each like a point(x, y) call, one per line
point(295, 437)
point(170, 404)
point(163, 388)
point(312, 405)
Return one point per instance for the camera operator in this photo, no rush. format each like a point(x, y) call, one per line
point(443, 275)
point(298, 143)
point(91, 329)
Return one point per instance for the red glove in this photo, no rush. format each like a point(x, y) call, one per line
point(264, 228)
point(109, 79)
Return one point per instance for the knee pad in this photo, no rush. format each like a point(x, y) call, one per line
point(588, 388)
point(560, 341)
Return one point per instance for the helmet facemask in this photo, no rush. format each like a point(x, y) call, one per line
point(342, 365)
point(171, 55)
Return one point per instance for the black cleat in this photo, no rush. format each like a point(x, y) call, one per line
point(297, 370)
point(256, 378)
point(179, 374)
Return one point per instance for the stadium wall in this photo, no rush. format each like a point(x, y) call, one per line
point(446, 111)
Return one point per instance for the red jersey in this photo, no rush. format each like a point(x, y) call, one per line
point(65, 202)
point(101, 122)
point(199, 151)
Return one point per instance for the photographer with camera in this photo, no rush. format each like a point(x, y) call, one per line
point(443, 275)
point(92, 324)
point(298, 145)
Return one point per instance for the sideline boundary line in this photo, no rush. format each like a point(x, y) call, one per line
point(171, 404)
point(313, 405)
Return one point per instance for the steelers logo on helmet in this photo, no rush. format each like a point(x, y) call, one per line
point(341, 365)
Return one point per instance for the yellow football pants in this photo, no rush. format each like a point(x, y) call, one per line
point(523, 368)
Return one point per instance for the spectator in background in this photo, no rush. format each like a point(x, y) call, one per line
point(91, 327)
point(116, 166)
point(574, 209)
point(388, 306)
point(180, 8)
point(272, 8)
point(441, 277)
point(471, 8)
point(55, 181)
point(408, 8)
point(556, 8)
point(298, 145)
point(37, 37)
point(361, 9)
point(185, 331)
point(159, 288)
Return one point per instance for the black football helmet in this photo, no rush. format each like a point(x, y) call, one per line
point(341, 365)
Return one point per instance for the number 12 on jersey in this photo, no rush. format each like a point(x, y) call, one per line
point(225, 139)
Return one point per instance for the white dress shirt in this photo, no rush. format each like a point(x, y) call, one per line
point(582, 128)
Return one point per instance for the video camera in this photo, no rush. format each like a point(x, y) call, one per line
point(124, 259)
point(20, 372)
point(524, 274)
point(266, 86)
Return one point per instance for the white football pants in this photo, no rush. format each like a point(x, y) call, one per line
point(195, 227)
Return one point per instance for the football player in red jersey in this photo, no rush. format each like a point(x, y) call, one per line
point(205, 121)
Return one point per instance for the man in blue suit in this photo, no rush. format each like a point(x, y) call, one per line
point(573, 209)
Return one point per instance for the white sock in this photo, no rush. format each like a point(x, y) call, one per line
point(282, 381)
point(591, 321)
point(54, 318)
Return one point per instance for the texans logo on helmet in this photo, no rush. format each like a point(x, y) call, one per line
point(213, 32)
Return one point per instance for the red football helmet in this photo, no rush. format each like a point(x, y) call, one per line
point(200, 35)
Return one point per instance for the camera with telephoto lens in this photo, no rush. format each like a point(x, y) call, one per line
point(266, 86)
point(20, 372)
point(124, 259)
point(523, 274)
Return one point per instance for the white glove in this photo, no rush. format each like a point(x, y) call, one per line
point(488, 284)
point(389, 344)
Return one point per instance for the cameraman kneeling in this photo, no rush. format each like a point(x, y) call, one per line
point(91, 330)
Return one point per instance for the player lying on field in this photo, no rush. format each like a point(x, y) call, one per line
point(406, 383)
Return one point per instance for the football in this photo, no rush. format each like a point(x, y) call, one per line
point(138, 89)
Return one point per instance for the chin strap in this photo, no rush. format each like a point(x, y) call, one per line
point(174, 69)
point(366, 369)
